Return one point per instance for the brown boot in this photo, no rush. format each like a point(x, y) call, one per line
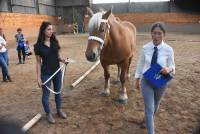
point(4, 80)
point(50, 118)
point(143, 124)
point(61, 114)
point(9, 79)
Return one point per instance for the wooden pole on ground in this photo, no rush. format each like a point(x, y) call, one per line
point(85, 74)
point(28, 125)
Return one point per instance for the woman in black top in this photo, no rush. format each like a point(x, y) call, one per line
point(47, 62)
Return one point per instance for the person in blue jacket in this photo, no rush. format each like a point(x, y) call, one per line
point(20, 46)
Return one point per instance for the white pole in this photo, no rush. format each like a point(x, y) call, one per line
point(28, 125)
point(85, 74)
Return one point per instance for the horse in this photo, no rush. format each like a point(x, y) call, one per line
point(113, 41)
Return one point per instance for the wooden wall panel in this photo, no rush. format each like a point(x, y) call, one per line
point(174, 18)
point(28, 22)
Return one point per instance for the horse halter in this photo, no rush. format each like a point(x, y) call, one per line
point(98, 39)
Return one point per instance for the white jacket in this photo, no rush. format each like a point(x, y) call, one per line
point(2, 43)
point(165, 58)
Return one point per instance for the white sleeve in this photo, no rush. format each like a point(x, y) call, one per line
point(171, 62)
point(2, 41)
point(140, 65)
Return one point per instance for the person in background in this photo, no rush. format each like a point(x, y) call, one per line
point(10, 127)
point(156, 51)
point(197, 129)
point(20, 45)
point(27, 49)
point(4, 37)
point(4, 60)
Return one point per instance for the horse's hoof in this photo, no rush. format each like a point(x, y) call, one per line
point(104, 94)
point(122, 101)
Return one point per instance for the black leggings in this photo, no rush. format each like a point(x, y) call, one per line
point(21, 51)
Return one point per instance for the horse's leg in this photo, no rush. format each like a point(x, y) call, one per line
point(123, 98)
point(118, 73)
point(128, 73)
point(106, 90)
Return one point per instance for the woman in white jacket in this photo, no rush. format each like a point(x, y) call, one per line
point(156, 51)
point(4, 60)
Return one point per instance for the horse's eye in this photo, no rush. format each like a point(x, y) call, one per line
point(101, 29)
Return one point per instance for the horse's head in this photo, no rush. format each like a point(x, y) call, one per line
point(98, 27)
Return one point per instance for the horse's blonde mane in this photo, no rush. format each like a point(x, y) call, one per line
point(94, 22)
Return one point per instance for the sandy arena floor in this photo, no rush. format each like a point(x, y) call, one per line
point(89, 113)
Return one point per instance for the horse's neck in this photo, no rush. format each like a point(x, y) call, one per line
point(111, 49)
point(111, 35)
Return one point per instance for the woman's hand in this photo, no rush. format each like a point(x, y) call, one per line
point(166, 70)
point(66, 61)
point(137, 84)
point(63, 61)
point(39, 83)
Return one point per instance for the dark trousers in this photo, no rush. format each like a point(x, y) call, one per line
point(57, 87)
point(21, 52)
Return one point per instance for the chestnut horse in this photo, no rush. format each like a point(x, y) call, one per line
point(114, 41)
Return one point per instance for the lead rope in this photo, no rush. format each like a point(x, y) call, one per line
point(62, 77)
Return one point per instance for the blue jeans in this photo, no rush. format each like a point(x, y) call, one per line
point(152, 98)
point(5, 55)
point(57, 87)
point(4, 64)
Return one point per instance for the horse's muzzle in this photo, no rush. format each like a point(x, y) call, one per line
point(92, 57)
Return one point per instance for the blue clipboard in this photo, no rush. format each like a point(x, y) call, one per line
point(155, 78)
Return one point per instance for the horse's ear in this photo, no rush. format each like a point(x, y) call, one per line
point(106, 15)
point(101, 10)
point(89, 11)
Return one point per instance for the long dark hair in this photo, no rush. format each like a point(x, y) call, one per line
point(41, 37)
